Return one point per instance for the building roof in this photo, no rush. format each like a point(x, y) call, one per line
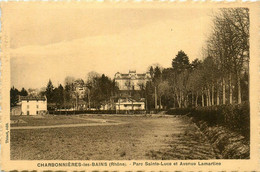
point(129, 99)
point(30, 98)
point(132, 74)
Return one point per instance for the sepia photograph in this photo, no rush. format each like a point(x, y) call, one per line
point(129, 84)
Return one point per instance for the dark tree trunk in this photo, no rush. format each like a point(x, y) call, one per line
point(224, 91)
point(230, 90)
point(238, 90)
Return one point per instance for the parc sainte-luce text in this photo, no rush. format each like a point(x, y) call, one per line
point(160, 163)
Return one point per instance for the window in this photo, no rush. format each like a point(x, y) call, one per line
point(28, 112)
point(28, 106)
point(37, 106)
point(37, 112)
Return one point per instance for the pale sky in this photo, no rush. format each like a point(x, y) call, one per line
point(52, 43)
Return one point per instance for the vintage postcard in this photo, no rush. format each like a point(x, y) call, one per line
point(139, 86)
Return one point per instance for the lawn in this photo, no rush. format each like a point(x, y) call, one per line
point(46, 120)
point(137, 137)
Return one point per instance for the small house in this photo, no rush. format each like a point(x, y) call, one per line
point(129, 104)
point(33, 105)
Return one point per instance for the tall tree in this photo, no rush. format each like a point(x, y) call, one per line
point(49, 91)
point(157, 79)
point(90, 83)
point(181, 67)
point(149, 94)
point(180, 62)
point(195, 81)
point(58, 96)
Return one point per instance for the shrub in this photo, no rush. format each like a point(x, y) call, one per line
point(234, 117)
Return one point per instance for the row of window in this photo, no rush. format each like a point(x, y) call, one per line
point(37, 106)
point(28, 112)
point(132, 105)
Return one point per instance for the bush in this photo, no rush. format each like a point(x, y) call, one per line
point(234, 117)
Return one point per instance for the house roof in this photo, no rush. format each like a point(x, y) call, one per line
point(30, 98)
point(129, 99)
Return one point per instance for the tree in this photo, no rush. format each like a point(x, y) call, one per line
point(68, 91)
point(180, 62)
point(14, 93)
point(58, 96)
point(49, 91)
point(102, 89)
point(78, 85)
point(180, 69)
point(23, 92)
point(210, 76)
point(149, 95)
point(163, 92)
point(90, 83)
point(157, 79)
point(151, 71)
point(168, 75)
point(42, 91)
point(195, 81)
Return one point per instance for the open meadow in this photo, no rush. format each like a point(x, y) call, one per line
point(107, 137)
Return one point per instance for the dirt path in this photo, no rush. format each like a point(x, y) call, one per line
point(99, 122)
point(174, 138)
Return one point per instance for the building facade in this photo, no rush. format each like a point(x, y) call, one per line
point(80, 88)
point(131, 80)
point(33, 105)
point(129, 104)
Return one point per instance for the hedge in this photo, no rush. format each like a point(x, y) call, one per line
point(57, 112)
point(234, 117)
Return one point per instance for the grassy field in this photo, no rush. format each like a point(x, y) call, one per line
point(137, 137)
point(45, 120)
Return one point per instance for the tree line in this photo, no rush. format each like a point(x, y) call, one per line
point(221, 77)
point(94, 91)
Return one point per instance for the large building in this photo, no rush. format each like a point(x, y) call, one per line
point(132, 80)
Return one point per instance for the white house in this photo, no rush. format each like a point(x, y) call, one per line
point(33, 105)
point(129, 104)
